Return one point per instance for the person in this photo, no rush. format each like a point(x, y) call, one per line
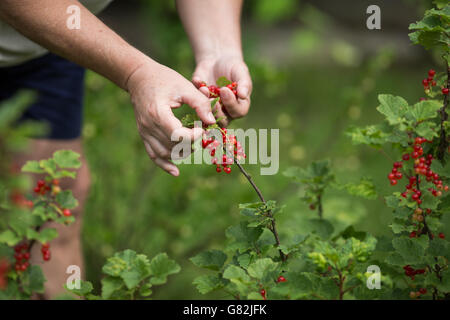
point(39, 51)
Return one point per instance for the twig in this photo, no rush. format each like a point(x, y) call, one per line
point(443, 143)
point(273, 227)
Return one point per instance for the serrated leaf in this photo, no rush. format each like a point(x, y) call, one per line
point(110, 285)
point(244, 237)
point(85, 288)
point(67, 159)
point(207, 283)
point(411, 250)
point(46, 235)
point(233, 272)
point(66, 200)
point(9, 237)
point(211, 259)
point(161, 267)
point(424, 110)
point(261, 267)
point(393, 108)
point(365, 188)
point(33, 280)
point(33, 167)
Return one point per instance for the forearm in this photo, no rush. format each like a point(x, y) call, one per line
point(213, 26)
point(94, 46)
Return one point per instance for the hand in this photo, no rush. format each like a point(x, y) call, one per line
point(154, 90)
point(235, 69)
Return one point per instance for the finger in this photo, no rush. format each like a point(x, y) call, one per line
point(166, 121)
point(167, 166)
point(197, 81)
point(200, 104)
point(236, 108)
point(160, 150)
point(205, 91)
point(241, 75)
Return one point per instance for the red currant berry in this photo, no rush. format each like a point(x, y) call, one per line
point(67, 213)
point(445, 91)
point(441, 235)
point(281, 279)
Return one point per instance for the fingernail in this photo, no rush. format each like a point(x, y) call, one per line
point(211, 117)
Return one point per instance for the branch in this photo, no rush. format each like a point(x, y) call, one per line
point(443, 143)
point(273, 227)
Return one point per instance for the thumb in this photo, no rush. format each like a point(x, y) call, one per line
point(197, 101)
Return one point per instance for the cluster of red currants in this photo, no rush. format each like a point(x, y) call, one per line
point(230, 146)
point(411, 272)
point(421, 167)
point(231, 149)
point(22, 256)
point(214, 91)
point(417, 294)
point(45, 249)
point(430, 82)
point(41, 187)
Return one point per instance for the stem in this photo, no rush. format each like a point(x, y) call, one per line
point(320, 207)
point(341, 284)
point(443, 143)
point(273, 227)
point(425, 229)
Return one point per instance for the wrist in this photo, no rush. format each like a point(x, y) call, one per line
point(218, 52)
point(135, 71)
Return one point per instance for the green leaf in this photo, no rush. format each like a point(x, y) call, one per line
point(370, 135)
point(207, 283)
point(222, 82)
point(9, 237)
point(233, 272)
point(85, 288)
point(111, 285)
point(66, 200)
point(261, 267)
point(146, 290)
point(393, 108)
point(365, 188)
point(49, 166)
point(411, 250)
point(161, 267)
point(211, 259)
point(424, 110)
point(33, 280)
point(244, 237)
point(426, 130)
point(444, 284)
point(33, 167)
point(131, 278)
point(46, 235)
point(67, 159)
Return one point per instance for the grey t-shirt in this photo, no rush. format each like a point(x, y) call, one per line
point(16, 48)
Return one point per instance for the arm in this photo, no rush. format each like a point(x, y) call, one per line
point(154, 89)
point(213, 27)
